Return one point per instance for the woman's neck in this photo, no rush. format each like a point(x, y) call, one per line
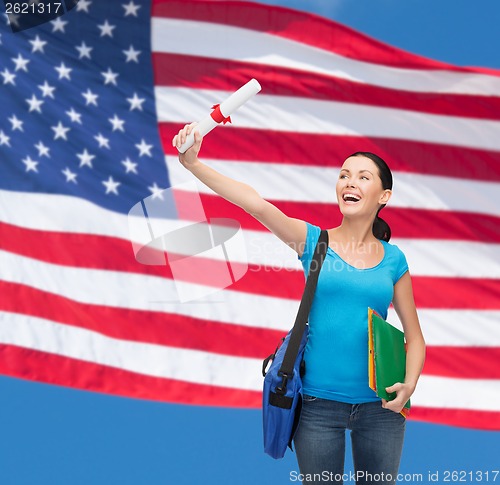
point(352, 231)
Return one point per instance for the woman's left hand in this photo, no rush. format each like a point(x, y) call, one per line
point(403, 393)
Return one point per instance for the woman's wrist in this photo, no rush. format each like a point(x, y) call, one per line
point(411, 385)
point(195, 165)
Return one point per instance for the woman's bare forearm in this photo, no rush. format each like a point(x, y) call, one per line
point(414, 361)
point(239, 193)
point(236, 192)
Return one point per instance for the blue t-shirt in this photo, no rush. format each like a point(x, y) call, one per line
point(336, 355)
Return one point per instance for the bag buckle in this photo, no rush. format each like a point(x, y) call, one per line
point(284, 381)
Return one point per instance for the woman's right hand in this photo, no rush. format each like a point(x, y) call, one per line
point(189, 158)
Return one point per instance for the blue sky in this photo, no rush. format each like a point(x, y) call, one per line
point(459, 32)
point(56, 436)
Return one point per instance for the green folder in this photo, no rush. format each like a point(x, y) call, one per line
point(386, 357)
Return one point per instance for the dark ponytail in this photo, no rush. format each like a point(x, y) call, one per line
point(380, 229)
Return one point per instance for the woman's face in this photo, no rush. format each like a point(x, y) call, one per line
point(359, 188)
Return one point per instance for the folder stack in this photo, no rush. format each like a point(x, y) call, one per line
point(386, 357)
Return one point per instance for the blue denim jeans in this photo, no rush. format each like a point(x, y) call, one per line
point(377, 436)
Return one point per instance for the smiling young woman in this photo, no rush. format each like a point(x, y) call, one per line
point(361, 269)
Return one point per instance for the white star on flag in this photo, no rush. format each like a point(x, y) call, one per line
point(47, 89)
point(38, 44)
point(8, 77)
point(70, 176)
point(111, 185)
point(74, 116)
point(90, 97)
point(60, 131)
point(85, 158)
point(4, 139)
point(106, 29)
point(136, 102)
point(103, 142)
point(21, 63)
point(13, 19)
point(156, 192)
point(83, 5)
point(63, 71)
point(130, 166)
point(17, 124)
point(35, 104)
point(58, 25)
point(109, 76)
point(144, 148)
point(83, 50)
point(31, 165)
point(43, 151)
point(117, 123)
point(131, 54)
point(131, 9)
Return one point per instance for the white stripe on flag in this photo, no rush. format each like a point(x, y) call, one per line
point(454, 393)
point(62, 213)
point(456, 328)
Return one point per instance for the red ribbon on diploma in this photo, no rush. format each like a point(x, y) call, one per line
point(217, 116)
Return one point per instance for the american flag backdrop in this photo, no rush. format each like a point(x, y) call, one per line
point(90, 103)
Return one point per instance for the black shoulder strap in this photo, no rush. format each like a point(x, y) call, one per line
point(286, 369)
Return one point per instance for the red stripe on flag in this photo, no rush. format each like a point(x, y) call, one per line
point(145, 326)
point(54, 369)
point(464, 418)
point(331, 150)
point(410, 223)
point(456, 293)
point(463, 362)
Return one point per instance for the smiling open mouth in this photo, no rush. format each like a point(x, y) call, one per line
point(351, 198)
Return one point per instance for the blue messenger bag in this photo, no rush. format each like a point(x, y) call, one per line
point(282, 395)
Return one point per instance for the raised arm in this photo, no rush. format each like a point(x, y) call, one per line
point(291, 231)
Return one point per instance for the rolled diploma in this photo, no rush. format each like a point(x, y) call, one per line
point(227, 107)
